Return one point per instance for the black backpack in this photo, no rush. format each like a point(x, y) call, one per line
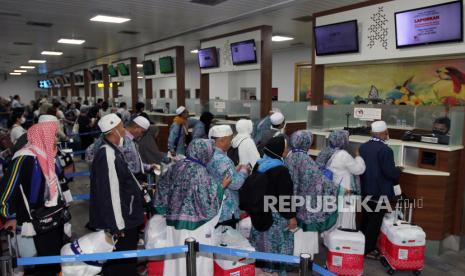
point(251, 199)
point(233, 153)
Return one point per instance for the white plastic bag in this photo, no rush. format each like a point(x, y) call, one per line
point(245, 226)
point(305, 242)
point(26, 246)
point(226, 236)
point(155, 232)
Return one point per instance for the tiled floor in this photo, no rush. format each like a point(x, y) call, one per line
point(449, 263)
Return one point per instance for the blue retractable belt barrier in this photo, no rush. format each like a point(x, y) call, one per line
point(249, 254)
point(167, 251)
point(102, 256)
point(85, 133)
point(78, 152)
point(81, 197)
point(77, 174)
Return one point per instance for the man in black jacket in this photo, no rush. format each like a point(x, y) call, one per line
point(116, 203)
point(378, 181)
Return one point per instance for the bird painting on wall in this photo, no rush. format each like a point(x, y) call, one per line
point(453, 74)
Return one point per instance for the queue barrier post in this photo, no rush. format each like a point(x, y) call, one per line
point(306, 264)
point(191, 256)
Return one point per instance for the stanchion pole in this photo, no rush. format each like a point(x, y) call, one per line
point(306, 265)
point(191, 256)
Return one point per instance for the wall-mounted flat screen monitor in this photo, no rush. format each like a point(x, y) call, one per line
point(208, 58)
point(429, 25)
point(112, 71)
point(244, 52)
point(166, 65)
point(123, 69)
point(338, 38)
point(44, 84)
point(149, 67)
point(96, 75)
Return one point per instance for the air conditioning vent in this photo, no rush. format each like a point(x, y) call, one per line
point(128, 32)
point(298, 44)
point(14, 54)
point(208, 2)
point(39, 24)
point(306, 18)
point(11, 14)
point(89, 48)
point(21, 43)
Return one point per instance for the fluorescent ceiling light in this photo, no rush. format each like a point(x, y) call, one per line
point(15, 74)
point(194, 51)
point(20, 71)
point(280, 38)
point(51, 53)
point(71, 41)
point(37, 61)
point(140, 77)
point(109, 19)
point(27, 67)
point(140, 65)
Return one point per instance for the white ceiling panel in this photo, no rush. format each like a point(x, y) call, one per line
point(166, 22)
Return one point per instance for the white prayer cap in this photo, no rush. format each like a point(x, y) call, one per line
point(277, 118)
point(47, 118)
point(180, 110)
point(220, 131)
point(378, 126)
point(142, 122)
point(108, 122)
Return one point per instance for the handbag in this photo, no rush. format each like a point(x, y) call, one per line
point(45, 219)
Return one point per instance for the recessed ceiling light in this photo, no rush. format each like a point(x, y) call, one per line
point(37, 61)
point(281, 38)
point(140, 65)
point(51, 53)
point(71, 41)
point(20, 71)
point(194, 51)
point(15, 74)
point(140, 77)
point(27, 67)
point(109, 19)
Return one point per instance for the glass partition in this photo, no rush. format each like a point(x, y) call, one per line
point(417, 118)
point(164, 105)
point(293, 111)
point(193, 105)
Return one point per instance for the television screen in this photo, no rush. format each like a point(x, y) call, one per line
point(123, 69)
point(112, 71)
point(149, 67)
point(44, 84)
point(208, 58)
point(243, 52)
point(434, 24)
point(166, 65)
point(336, 38)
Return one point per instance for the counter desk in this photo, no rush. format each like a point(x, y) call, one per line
point(430, 177)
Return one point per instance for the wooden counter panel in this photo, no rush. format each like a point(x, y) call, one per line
point(293, 127)
point(437, 193)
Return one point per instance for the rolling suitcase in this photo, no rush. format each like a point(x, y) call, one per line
point(346, 249)
point(402, 244)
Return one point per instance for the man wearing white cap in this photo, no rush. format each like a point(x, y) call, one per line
point(277, 127)
point(264, 125)
point(178, 132)
point(116, 203)
point(221, 166)
point(378, 181)
point(135, 129)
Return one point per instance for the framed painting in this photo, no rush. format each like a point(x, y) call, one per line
point(302, 82)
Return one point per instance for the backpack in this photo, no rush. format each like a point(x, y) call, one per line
point(252, 192)
point(233, 153)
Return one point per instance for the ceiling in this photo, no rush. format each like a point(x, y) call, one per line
point(158, 23)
